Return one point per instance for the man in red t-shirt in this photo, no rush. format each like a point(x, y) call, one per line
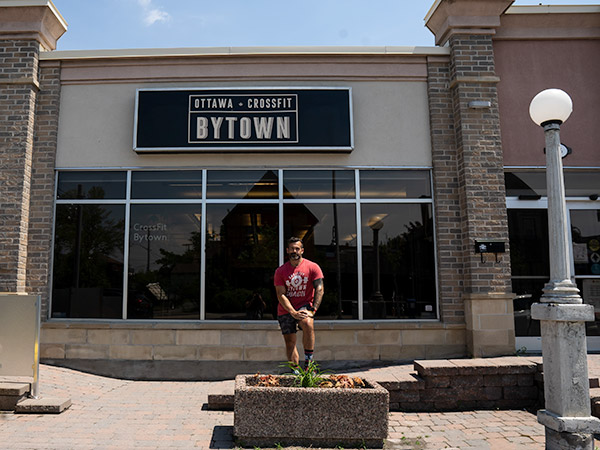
point(299, 287)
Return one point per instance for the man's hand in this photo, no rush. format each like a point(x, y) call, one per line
point(301, 315)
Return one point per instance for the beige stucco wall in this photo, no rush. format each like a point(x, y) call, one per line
point(391, 128)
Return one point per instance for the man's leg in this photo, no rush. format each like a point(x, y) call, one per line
point(290, 348)
point(308, 339)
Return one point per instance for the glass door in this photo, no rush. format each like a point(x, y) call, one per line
point(585, 231)
point(530, 264)
point(528, 234)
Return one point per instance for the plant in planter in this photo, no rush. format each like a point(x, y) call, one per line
point(336, 410)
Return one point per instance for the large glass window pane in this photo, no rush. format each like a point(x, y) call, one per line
point(186, 184)
point(303, 184)
point(164, 262)
point(525, 184)
point(530, 264)
point(589, 289)
point(395, 184)
point(585, 230)
point(242, 184)
point(528, 235)
point(398, 261)
point(92, 185)
point(241, 258)
point(578, 183)
point(582, 183)
point(329, 236)
point(88, 261)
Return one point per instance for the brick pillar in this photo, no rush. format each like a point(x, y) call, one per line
point(471, 200)
point(42, 187)
point(487, 286)
point(19, 86)
point(25, 30)
point(445, 188)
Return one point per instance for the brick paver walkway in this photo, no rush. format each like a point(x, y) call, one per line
point(120, 414)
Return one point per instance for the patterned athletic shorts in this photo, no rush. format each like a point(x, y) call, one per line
point(288, 324)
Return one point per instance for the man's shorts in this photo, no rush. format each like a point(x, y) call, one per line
point(288, 324)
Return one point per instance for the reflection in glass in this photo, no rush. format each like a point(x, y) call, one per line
point(329, 235)
point(395, 184)
point(167, 184)
point(589, 289)
point(88, 261)
point(241, 258)
point(401, 235)
point(242, 184)
point(528, 236)
point(530, 264)
point(578, 183)
point(585, 230)
point(582, 183)
point(525, 184)
point(302, 184)
point(92, 185)
point(164, 262)
point(527, 292)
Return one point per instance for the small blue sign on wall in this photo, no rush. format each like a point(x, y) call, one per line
point(242, 120)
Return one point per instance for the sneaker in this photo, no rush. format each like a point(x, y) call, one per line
point(307, 364)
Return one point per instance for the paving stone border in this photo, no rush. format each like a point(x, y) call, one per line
point(465, 384)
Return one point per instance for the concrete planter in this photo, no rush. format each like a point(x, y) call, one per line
point(326, 417)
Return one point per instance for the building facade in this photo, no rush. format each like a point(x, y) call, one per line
point(147, 194)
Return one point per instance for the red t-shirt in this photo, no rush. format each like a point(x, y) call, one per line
point(298, 282)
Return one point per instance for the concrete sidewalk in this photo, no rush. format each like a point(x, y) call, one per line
point(121, 414)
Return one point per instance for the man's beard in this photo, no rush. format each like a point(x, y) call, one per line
point(294, 256)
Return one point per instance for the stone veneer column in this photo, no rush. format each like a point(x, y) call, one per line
point(25, 30)
point(469, 186)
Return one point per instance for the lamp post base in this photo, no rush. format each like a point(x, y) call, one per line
point(567, 417)
point(568, 441)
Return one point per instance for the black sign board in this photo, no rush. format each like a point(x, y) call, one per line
point(241, 120)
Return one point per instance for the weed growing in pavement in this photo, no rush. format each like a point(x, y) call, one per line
point(521, 351)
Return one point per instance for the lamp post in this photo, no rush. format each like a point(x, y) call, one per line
point(562, 314)
point(376, 301)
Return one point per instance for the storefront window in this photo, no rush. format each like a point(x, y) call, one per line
point(88, 261)
point(585, 231)
point(241, 258)
point(398, 261)
point(164, 262)
point(167, 184)
point(204, 244)
point(242, 184)
point(317, 184)
point(328, 232)
point(92, 185)
point(531, 184)
point(395, 184)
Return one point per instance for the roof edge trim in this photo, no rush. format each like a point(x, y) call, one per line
point(239, 51)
